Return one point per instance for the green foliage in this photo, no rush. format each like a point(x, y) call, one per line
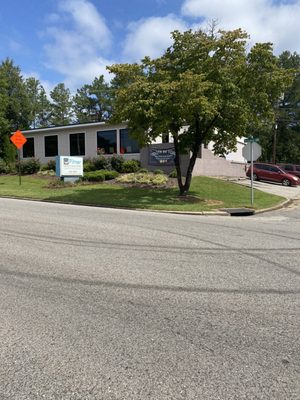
point(208, 82)
point(88, 166)
point(143, 171)
point(131, 166)
point(173, 174)
point(29, 167)
point(117, 163)
point(93, 102)
point(40, 107)
point(51, 165)
point(96, 163)
point(158, 172)
point(101, 162)
point(61, 107)
point(100, 176)
point(143, 179)
point(4, 169)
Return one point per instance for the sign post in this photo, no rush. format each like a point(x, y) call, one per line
point(18, 139)
point(251, 151)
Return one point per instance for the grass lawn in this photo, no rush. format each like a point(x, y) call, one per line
point(206, 194)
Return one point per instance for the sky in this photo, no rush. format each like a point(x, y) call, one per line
point(72, 41)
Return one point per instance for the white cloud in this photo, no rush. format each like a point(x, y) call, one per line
point(77, 41)
point(149, 37)
point(264, 20)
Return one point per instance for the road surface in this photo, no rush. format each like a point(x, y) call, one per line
point(114, 304)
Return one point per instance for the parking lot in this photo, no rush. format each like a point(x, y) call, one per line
point(274, 188)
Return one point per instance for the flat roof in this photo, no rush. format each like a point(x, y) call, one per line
point(70, 126)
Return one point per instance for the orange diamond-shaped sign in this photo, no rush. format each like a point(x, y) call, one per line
point(18, 139)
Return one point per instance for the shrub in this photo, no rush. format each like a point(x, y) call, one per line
point(100, 176)
point(51, 165)
point(143, 179)
point(4, 168)
point(131, 166)
point(143, 171)
point(109, 175)
point(158, 172)
point(117, 163)
point(88, 166)
point(173, 174)
point(29, 167)
point(101, 162)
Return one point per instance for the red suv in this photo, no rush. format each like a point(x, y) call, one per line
point(272, 173)
point(290, 168)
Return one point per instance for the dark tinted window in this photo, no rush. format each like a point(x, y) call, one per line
point(107, 141)
point(273, 169)
point(288, 167)
point(127, 144)
point(51, 146)
point(77, 144)
point(28, 148)
point(298, 168)
point(260, 166)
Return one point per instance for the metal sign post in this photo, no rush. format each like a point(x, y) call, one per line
point(251, 151)
point(18, 139)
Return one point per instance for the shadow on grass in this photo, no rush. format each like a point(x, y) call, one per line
point(128, 197)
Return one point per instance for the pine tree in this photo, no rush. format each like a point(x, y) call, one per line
point(61, 106)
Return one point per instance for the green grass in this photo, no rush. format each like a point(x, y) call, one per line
point(207, 194)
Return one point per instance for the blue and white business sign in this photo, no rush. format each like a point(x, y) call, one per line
point(69, 166)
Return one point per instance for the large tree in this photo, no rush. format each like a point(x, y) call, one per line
point(14, 106)
point(205, 81)
point(61, 105)
point(92, 103)
point(40, 107)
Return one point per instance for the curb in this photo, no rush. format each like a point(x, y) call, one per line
point(207, 213)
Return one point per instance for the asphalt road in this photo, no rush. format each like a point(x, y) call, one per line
point(115, 304)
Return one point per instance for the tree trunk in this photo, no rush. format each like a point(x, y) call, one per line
point(177, 163)
point(195, 150)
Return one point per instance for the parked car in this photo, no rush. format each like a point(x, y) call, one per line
point(290, 168)
point(272, 173)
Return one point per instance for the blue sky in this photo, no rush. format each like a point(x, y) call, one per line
point(72, 41)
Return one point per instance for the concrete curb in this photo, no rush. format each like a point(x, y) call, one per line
point(205, 213)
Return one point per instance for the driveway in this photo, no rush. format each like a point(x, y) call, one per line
point(273, 188)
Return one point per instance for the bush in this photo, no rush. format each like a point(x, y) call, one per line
point(109, 175)
point(101, 162)
point(143, 171)
point(143, 179)
point(100, 176)
point(4, 168)
point(117, 163)
point(51, 165)
point(173, 174)
point(88, 166)
point(30, 167)
point(158, 172)
point(131, 166)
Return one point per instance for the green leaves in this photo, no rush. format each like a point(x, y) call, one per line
point(208, 82)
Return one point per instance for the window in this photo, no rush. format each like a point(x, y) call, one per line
point(127, 144)
point(288, 167)
point(298, 168)
point(107, 141)
point(77, 144)
point(28, 148)
point(51, 146)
